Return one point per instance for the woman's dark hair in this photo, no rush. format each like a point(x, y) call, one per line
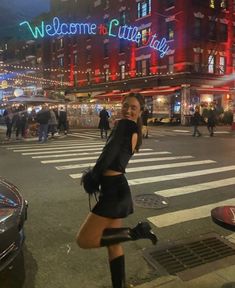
point(140, 99)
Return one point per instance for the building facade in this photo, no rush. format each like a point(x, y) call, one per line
point(178, 54)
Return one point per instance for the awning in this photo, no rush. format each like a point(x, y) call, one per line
point(109, 95)
point(212, 90)
point(158, 91)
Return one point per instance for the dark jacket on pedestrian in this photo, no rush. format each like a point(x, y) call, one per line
point(104, 120)
point(211, 118)
point(196, 119)
point(43, 116)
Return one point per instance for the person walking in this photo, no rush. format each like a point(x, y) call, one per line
point(211, 121)
point(52, 123)
point(104, 123)
point(8, 115)
point(62, 119)
point(145, 117)
point(43, 117)
point(196, 118)
point(103, 226)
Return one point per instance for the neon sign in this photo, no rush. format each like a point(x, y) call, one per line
point(125, 32)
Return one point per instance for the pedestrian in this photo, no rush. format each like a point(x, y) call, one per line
point(62, 119)
point(43, 117)
point(103, 226)
point(52, 123)
point(196, 119)
point(8, 115)
point(211, 121)
point(145, 116)
point(104, 122)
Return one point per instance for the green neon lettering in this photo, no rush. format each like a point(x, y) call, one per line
point(36, 31)
point(116, 23)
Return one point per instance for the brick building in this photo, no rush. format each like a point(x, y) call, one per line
point(183, 54)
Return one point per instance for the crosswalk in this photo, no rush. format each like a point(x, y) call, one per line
point(148, 170)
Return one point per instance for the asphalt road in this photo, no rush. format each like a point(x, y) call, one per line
point(57, 204)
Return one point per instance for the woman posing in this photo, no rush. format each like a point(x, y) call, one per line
point(103, 226)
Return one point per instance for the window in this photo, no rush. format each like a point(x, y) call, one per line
point(75, 59)
point(170, 30)
point(145, 34)
point(88, 55)
point(170, 3)
point(106, 4)
point(171, 64)
point(88, 75)
point(106, 74)
point(224, 4)
point(212, 30)
point(211, 64)
point(106, 50)
point(122, 71)
point(197, 28)
point(123, 18)
point(222, 65)
point(212, 4)
point(61, 62)
point(143, 67)
point(144, 8)
point(223, 32)
point(122, 45)
point(61, 43)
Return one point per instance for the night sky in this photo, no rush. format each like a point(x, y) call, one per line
point(15, 11)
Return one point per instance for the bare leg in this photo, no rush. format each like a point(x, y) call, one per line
point(91, 231)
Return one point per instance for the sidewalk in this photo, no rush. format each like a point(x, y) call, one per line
point(221, 278)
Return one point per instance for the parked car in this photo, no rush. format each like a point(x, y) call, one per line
point(13, 213)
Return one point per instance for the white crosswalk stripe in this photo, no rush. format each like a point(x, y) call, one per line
point(85, 152)
point(168, 219)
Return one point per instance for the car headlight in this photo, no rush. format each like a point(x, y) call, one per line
point(5, 215)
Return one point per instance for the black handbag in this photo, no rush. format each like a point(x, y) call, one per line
point(89, 182)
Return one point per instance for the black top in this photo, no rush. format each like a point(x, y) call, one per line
point(118, 149)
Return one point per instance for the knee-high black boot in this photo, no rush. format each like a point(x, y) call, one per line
point(117, 269)
point(113, 236)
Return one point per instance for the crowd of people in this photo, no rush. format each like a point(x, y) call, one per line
point(45, 122)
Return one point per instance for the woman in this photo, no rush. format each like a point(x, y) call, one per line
point(103, 226)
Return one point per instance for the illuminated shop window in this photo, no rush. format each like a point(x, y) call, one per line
point(122, 71)
point(222, 65)
point(212, 4)
point(171, 64)
point(170, 30)
point(106, 74)
point(144, 8)
point(211, 64)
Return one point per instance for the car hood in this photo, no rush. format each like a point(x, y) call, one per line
point(9, 195)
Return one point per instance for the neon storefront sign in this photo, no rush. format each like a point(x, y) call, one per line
point(114, 29)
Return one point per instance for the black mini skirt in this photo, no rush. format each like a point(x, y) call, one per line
point(115, 199)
